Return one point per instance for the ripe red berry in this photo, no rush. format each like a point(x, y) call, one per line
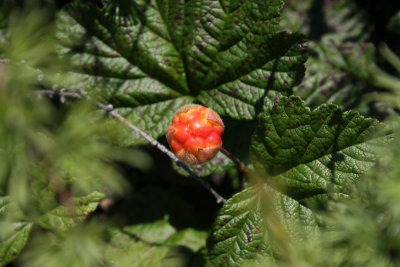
point(195, 134)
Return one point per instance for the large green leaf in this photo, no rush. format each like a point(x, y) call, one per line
point(148, 58)
point(252, 223)
point(315, 154)
point(74, 212)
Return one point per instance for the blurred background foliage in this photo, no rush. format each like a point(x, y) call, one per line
point(56, 170)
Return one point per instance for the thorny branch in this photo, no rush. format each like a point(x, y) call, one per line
point(110, 110)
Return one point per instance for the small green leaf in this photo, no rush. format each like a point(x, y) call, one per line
point(155, 232)
point(190, 238)
point(126, 251)
point(65, 217)
point(313, 154)
point(242, 230)
point(163, 233)
point(13, 241)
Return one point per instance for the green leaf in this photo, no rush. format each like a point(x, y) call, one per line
point(315, 154)
point(340, 20)
point(190, 238)
point(13, 240)
point(148, 58)
point(247, 226)
point(155, 232)
point(162, 232)
point(81, 246)
point(243, 97)
point(126, 251)
point(65, 217)
point(218, 164)
point(154, 244)
point(338, 74)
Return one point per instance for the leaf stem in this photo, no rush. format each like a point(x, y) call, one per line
point(240, 166)
point(110, 110)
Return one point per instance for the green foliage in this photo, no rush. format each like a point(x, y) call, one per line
point(245, 228)
point(314, 154)
point(230, 57)
point(154, 244)
point(13, 240)
point(72, 213)
point(308, 121)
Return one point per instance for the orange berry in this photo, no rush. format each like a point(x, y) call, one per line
point(195, 134)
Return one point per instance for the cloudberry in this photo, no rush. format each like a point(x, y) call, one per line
point(195, 134)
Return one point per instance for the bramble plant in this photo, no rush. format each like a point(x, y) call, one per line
point(198, 133)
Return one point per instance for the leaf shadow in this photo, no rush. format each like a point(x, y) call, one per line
point(259, 105)
point(336, 157)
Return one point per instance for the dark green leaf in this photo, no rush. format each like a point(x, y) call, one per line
point(313, 154)
point(338, 74)
point(242, 97)
point(339, 20)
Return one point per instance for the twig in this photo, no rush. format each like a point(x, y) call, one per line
point(110, 110)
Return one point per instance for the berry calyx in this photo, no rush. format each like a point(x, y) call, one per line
point(195, 134)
